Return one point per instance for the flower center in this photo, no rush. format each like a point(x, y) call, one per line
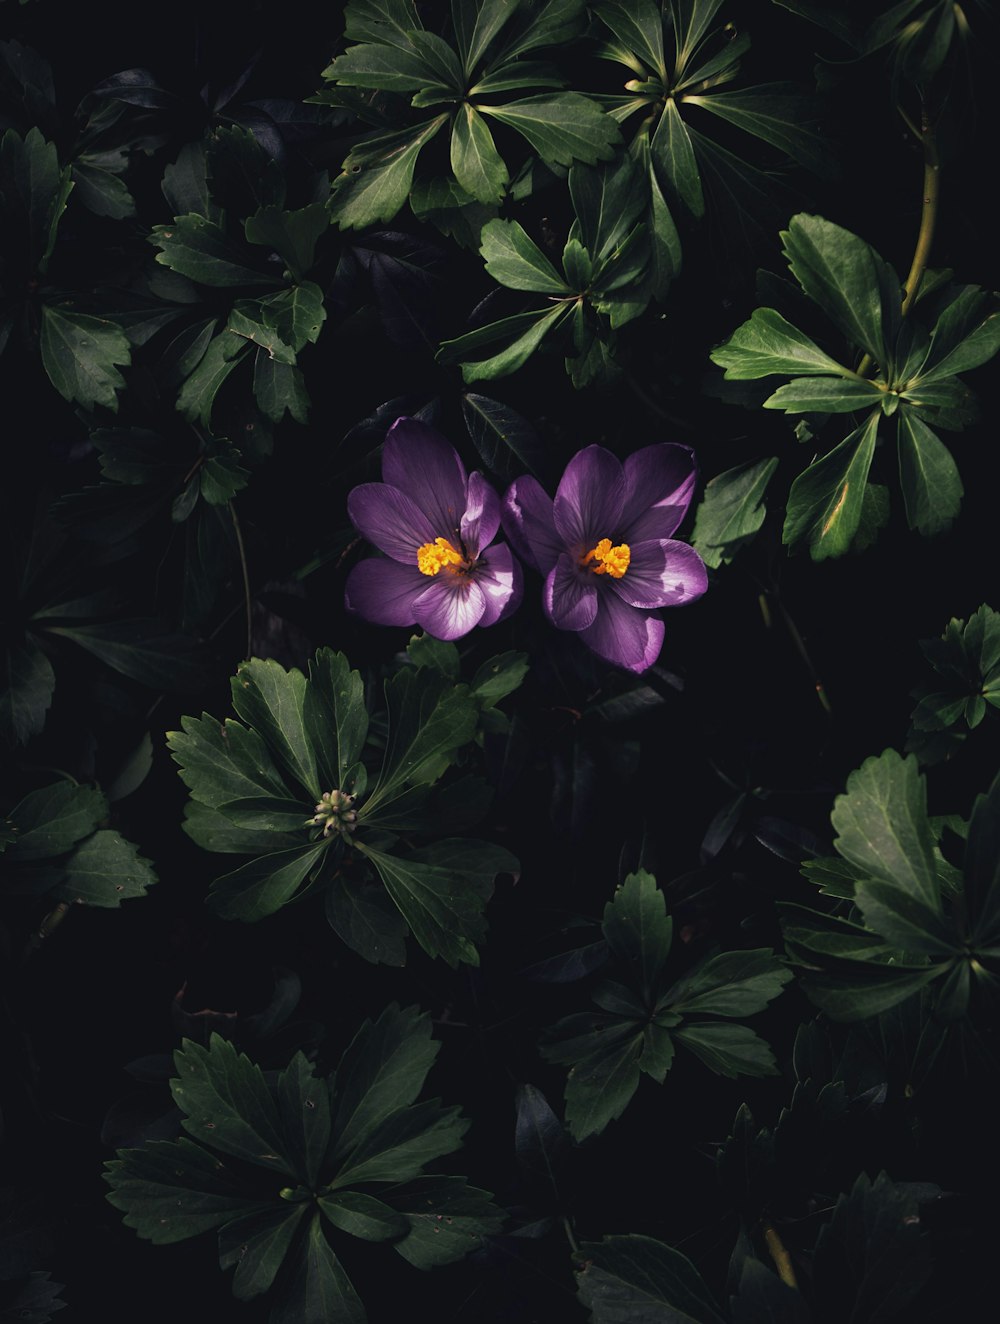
point(607, 560)
point(335, 813)
point(433, 555)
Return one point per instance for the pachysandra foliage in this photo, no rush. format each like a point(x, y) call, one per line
point(967, 661)
point(916, 364)
point(290, 786)
point(652, 1007)
point(288, 1168)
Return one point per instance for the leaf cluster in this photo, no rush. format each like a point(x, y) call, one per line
point(967, 661)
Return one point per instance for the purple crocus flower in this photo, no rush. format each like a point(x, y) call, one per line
point(436, 524)
point(605, 548)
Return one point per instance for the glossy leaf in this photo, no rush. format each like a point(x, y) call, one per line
point(769, 344)
point(514, 260)
point(732, 510)
point(562, 129)
point(637, 1280)
point(638, 929)
point(932, 488)
point(374, 188)
point(82, 355)
point(825, 502)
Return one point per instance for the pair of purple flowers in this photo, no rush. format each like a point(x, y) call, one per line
point(603, 544)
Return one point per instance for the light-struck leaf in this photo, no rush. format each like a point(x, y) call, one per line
point(562, 127)
point(826, 395)
point(674, 161)
point(638, 929)
point(728, 1050)
point(825, 502)
point(768, 344)
point(221, 762)
point(732, 510)
point(514, 260)
point(196, 397)
point(262, 886)
point(374, 187)
point(105, 871)
point(82, 355)
point(272, 701)
point(730, 984)
point(524, 331)
point(477, 164)
point(334, 717)
point(200, 249)
point(928, 475)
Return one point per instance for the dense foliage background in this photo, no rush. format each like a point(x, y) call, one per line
point(220, 285)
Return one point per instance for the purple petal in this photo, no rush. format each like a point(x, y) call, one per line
point(482, 515)
point(451, 606)
point(384, 592)
point(659, 484)
point(528, 523)
point(421, 463)
point(570, 595)
point(391, 520)
point(498, 574)
point(661, 573)
point(589, 498)
point(624, 635)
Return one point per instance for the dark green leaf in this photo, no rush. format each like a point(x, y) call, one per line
point(105, 871)
point(257, 1244)
point(197, 396)
point(304, 1112)
point(143, 651)
point(291, 234)
point(526, 331)
point(732, 510)
point(636, 1280)
point(514, 260)
point(639, 27)
point(318, 1289)
point(561, 128)
point(982, 867)
point(825, 502)
point(260, 887)
point(477, 25)
point(50, 821)
point(765, 1299)
point(401, 1144)
point(674, 160)
point(475, 160)
point(730, 984)
point(543, 23)
point(363, 1216)
point(728, 1050)
point(903, 921)
point(932, 488)
point(81, 355)
point(27, 683)
point(978, 347)
point(33, 193)
point(638, 929)
point(224, 762)
point(447, 1218)
point(364, 917)
point(385, 68)
point(826, 395)
point(334, 717)
point(601, 1084)
point(539, 1140)
point(381, 21)
point(272, 701)
point(498, 677)
point(882, 826)
point(173, 1189)
point(768, 344)
point(101, 191)
point(200, 249)
point(296, 314)
point(374, 188)
point(770, 113)
point(279, 388)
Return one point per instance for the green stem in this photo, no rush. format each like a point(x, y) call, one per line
point(51, 922)
point(780, 1256)
point(246, 576)
point(770, 597)
point(574, 1245)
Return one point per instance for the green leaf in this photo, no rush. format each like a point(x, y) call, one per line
point(105, 871)
point(227, 1103)
point(224, 762)
point(601, 1084)
point(257, 1244)
point(514, 260)
point(447, 1219)
point(392, 68)
point(318, 1290)
point(847, 279)
point(771, 114)
point(444, 203)
point(732, 510)
point(607, 203)
point(249, 321)
point(424, 650)
point(498, 677)
point(365, 918)
point(978, 347)
point(826, 395)
point(544, 23)
point(272, 701)
point(383, 1069)
point(279, 388)
point(402, 1143)
point(526, 331)
point(672, 154)
point(142, 650)
point(730, 984)
point(81, 355)
point(638, 929)
point(728, 1050)
point(810, 933)
point(442, 890)
point(291, 234)
point(334, 717)
point(296, 314)
point(173, 1189)
point(825, 502)
point(476, 26)
point(200, 249)
point(362, 1216)
point(196, 397)
point(636, 1280)
point(932, 488)
point(101, 191)
point(377, 181)
point(429, 718)
point(475, 160)
point(903, 921)
point(389, 21)
point(561, 128)
point(882, 827)
point(638, 25)
point(220, 478)
point(33, 194)
point(51, 820)
point(982, 868)
point(304, 1110)
point(27, 683)
point(768, 344)
point(262, 886)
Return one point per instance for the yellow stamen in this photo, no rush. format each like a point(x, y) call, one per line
point(433, 555)
point(608, 560)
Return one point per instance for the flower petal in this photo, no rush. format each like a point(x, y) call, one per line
point(451, 606)
point(624, 635)
point(388, 518)
point(588, 501)
point(659, 484)
point(424, 465)
point(570, 595)
point(384, 592)
point(527, 521)
point(498, 574)
point(481, 518)
point(662, 573)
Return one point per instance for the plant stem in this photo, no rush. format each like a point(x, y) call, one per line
point(51, 922)
point(574, 1245)
point(246, 575)
point(781, 1257)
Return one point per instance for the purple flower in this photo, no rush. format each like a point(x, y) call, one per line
point(605, 548)
point(436, 524)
